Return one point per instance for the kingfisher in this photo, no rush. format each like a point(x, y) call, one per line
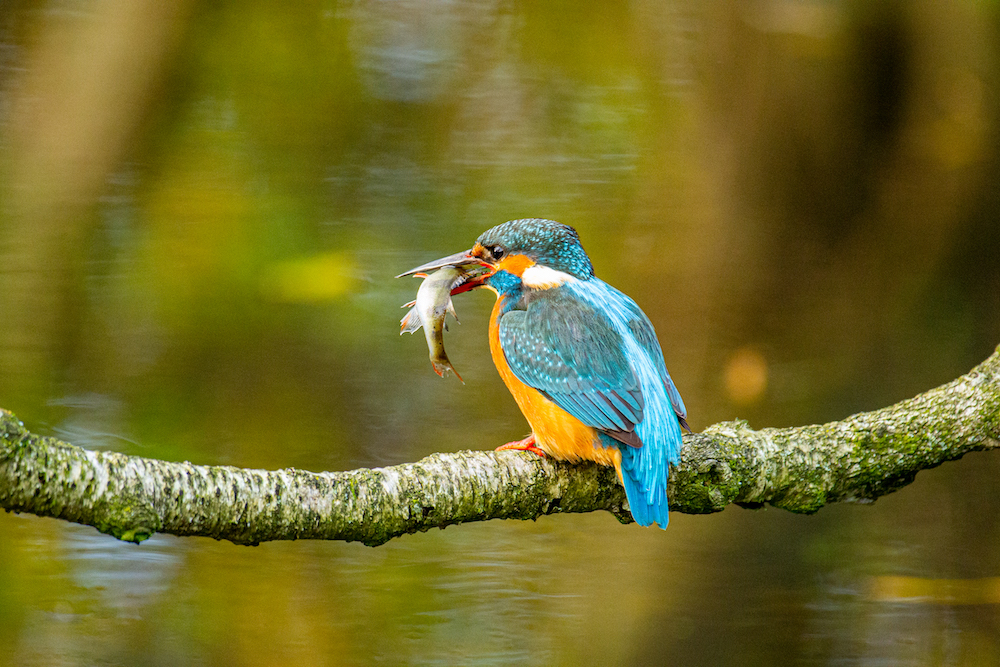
point(580, 358)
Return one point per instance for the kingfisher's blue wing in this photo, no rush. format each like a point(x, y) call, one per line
point(569, 351)
point(642, 329)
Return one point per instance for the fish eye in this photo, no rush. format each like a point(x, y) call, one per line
point(497, 252)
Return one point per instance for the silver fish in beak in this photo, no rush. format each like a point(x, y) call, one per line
point(432, 305)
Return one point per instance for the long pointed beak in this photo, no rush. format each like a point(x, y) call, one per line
point(475, 270)
point(459, 259)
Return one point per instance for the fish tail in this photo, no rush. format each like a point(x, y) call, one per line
point(442, 368)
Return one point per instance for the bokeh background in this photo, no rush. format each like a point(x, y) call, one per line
point(202, 206)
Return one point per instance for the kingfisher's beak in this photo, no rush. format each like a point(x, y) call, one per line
point(460, 259)
point(476, 268)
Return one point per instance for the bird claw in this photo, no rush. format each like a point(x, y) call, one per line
point(526, 445)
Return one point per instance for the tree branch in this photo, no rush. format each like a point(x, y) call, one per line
point(799, 469)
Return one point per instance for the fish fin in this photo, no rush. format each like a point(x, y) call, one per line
point(411, 304)
point(411, 322)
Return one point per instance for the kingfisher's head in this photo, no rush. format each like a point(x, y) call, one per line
point(532, 252)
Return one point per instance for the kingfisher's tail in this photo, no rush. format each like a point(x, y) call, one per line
point(644, 472)
point(645, 485)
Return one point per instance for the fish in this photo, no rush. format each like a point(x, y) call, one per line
point(429, 309)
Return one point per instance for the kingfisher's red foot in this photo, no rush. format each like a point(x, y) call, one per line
point(526, 445)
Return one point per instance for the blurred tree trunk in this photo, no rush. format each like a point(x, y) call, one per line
point(799, 469)
point(86, 87)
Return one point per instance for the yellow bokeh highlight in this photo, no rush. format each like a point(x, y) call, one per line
point(746, 375)
point(934, 591)
point(957, 136)
point(312, 279)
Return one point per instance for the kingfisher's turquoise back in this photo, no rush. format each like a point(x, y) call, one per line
point(645, 469)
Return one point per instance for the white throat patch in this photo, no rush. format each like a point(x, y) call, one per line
point(542, 277)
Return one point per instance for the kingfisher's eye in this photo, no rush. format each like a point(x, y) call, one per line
point(497, 252)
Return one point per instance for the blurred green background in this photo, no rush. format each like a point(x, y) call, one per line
point(202, 206)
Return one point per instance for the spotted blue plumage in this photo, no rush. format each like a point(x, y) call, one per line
point(550, 346)
point(593, 352)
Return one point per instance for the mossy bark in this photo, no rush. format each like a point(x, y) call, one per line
point(799, 469)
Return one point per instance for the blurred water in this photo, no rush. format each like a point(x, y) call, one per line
point(198, 233)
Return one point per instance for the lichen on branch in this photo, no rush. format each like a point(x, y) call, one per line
point(800, 469)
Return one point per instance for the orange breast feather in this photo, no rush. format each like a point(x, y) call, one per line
point(557, 433)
